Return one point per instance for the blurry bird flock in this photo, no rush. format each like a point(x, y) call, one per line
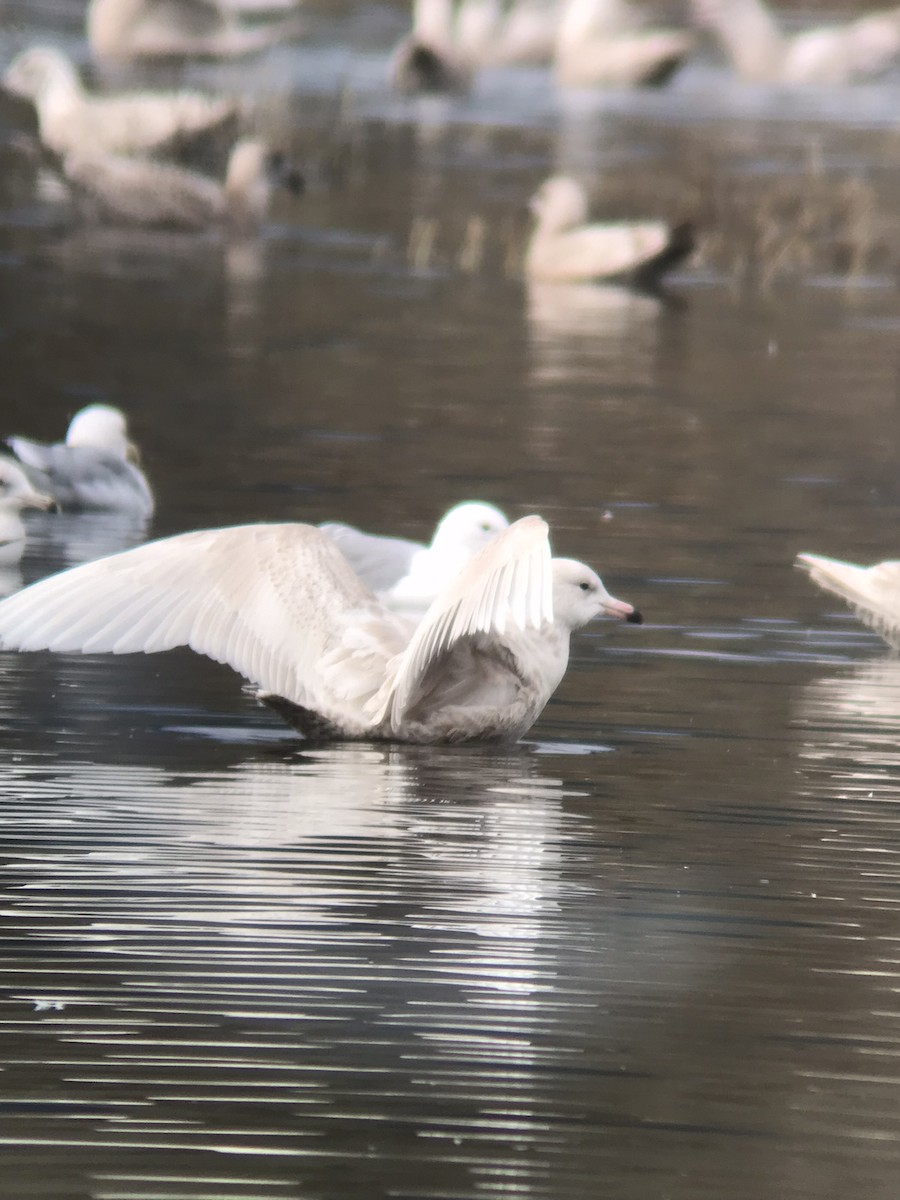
point(351, 634)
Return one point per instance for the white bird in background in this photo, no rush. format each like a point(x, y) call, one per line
point(282, 606)
point(71, 120)
point(96, 468)
point(128, 191)
point(563, 247)
point(451, 39)
point(16, 493)
point(128, 29)
point(872, 592)
point(604, 43)
point(761, 52)
point(407, 575)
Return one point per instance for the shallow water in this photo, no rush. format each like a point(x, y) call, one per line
point(650, 952)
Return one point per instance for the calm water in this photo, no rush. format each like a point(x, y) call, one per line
point(652, 952)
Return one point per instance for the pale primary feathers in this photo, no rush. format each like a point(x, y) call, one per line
point(94, 469)
point(71, 120)
point(873, 592)
point(129, 191)
point(16, 493)
point(127, 29)
point(564, 247)
point(408, 575)
point(828, 55)
point(603, 43)
point(281, 605)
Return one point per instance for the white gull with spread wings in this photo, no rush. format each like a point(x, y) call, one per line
point(281, 605)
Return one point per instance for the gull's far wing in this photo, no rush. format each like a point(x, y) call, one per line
point(380, 562)
point(507, 586)
point(268, 600)
point(873, 592)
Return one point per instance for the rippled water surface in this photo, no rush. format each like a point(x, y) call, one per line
point(652, 951)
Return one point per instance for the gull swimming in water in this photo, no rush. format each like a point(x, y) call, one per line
point(131, 191)
point(451, 39)
point(282, 606)
point(564, 247)
point(408, 575)
point(827, 55)
point(16, 493)
point(602, 43)
point(71, 120)
point(128, 29)
point(96, 468)
point(872, 592)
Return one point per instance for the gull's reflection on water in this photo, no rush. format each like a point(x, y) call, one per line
point(614, 323)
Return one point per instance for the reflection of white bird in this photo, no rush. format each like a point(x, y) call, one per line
point(408, 575)
point(16, 493)
point(126, 29)
point(830, 54)
point(70, 119)
point(873, 592)
point(563, 247)
point(95, 468)
point(601, 43)
point(131, 191)
point(281, 605)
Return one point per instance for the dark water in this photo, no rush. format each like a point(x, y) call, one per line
point(652, 951)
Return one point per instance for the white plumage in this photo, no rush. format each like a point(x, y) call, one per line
point(873, 592)
point(564, 247)
point(281, 605)
point(71, 120)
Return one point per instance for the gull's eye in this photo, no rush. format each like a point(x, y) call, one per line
point(485, 527)
point(586, 587)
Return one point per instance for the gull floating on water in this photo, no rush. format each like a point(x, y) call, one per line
point(872, 592)
point(16, 493)
point(94, 469)
point(282, 606)
point(408, 575)
point(563, 247)
point(828, 54)
point(127, 29)
point(603, 43)
point(131, 191)
point(71, 120)
point(451, 39)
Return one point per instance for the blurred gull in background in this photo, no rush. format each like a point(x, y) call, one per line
point(127, 29)
point(563, 247)
point(828, 54)
point(94, 469)
point(408, 575)
point(71, 120)
point(129, 191)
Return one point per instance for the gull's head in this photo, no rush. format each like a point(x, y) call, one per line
point(559, 203)
point(579, 596)
point(469, 527)
point(16, 491)
point(38, 71)
point(100, 426)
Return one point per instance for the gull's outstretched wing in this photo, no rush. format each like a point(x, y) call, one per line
point(269, 600)
point(380, 562)
point(507, 586)
point(873, 592)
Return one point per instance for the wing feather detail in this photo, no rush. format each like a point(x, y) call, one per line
point(507, 585)
point(873, 592)
point(271, 601)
